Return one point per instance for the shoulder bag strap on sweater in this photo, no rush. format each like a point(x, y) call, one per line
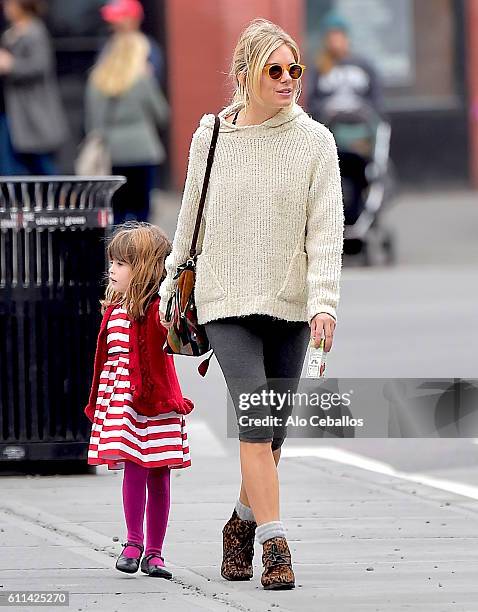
point(210, 159)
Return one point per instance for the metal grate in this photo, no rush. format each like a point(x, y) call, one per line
point(52, 265)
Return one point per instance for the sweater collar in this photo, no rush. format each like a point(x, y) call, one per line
point(282, 118)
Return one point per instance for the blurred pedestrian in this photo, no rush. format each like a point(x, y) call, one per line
point(127, 16)
point(340, 80)
point(135, 404)
point(125, 104)
point(268, 270)
point(35, 116)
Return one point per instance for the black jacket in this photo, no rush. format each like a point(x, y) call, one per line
point(353, 80)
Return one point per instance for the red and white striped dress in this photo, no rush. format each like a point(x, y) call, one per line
point(119, 433)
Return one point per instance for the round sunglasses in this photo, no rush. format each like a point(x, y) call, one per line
point(275, 71)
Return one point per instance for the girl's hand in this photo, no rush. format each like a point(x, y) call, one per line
point(323, 324)
point(164, 323)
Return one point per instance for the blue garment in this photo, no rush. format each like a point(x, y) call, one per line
point(132, 201)
point(334, 21)
point(37, 164)
point(9, 164)
point(156, 59)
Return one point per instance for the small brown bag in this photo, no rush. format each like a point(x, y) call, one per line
point(187, 336)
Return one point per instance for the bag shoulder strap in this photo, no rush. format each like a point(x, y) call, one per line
point(210, 159)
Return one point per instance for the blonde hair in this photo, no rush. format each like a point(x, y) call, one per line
point(123, 62)
point(256, 43)
point(144, 247)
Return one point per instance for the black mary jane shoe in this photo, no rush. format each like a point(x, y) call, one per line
point(129, 565)
point(155, 571)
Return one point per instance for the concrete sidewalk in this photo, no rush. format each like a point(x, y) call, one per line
point(360, 541)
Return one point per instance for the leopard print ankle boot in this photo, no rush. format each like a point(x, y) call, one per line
point(278, 573)
point(238, 548)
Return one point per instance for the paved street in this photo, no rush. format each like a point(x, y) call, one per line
point(374, 525)
point(361, 540)
point(418, 318)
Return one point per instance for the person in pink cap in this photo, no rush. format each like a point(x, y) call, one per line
point(122, 11)
point(127, 16)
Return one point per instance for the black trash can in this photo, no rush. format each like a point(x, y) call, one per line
point(52, 267)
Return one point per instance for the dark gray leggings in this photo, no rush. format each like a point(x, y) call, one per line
point(258, 353)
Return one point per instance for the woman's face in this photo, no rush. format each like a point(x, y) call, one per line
point(281, 92)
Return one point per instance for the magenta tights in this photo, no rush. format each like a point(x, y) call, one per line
point(136, 480)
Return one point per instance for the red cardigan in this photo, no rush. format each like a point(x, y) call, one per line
point(154, 384)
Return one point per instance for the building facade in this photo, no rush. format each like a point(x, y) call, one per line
point(425, 50)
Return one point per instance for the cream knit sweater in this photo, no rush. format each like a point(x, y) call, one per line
point(271, 239)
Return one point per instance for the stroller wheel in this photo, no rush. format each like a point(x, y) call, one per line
point(353, 246)
point(372, 251)
point(378, 249)
point(367, 257)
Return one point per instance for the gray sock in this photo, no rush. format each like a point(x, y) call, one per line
point(266, 531)
point(244, 512)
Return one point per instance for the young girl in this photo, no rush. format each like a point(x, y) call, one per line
point(136, 405)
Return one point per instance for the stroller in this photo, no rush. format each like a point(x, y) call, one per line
point(363, 142)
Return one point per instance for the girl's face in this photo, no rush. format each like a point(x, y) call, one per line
point(281, 92)
point(120, 275)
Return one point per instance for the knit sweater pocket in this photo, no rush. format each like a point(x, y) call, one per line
point(207, 287)
point(294, 288)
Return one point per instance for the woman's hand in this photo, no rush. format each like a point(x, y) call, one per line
point(323, 324)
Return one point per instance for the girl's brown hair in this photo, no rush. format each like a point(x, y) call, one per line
point(144, 247)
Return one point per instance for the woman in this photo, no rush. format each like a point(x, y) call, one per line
point(124, 102)
point(127, 16)
point(36, 121)
point(269, 265)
